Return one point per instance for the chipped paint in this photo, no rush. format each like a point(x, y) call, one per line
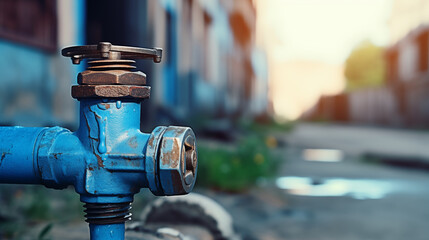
point(3, 156)
point(132, 142)
point(101, 133)
point(171, 156)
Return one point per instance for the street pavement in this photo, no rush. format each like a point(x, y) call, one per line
point(346, 198)
point(360, 140)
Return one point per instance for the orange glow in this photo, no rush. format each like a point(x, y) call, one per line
point(307, 42)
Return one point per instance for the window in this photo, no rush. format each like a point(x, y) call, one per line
point(29, 22)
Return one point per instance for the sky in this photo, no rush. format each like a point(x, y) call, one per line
point(307, 42)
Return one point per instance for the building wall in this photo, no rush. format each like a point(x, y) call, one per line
point(373, 106)
point(407, 15)
point(36, 79)
point(211, 70)
point(404, 99)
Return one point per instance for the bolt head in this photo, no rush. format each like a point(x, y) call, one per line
point(111, 77)
point(178, 160)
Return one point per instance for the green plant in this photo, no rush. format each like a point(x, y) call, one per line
point(266, 126)
point(37, 205)
point(238, 168)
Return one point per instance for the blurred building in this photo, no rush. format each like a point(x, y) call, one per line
point(407, 15)
point(402, 101)
point(408, 76)
point(211, 67)
point(35, 80)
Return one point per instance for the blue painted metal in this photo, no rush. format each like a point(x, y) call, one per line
point(107, 160)
point(17, 163)
point(107, 232)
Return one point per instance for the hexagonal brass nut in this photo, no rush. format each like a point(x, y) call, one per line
point(111, 77)
point(178, 161)
point(110, 91)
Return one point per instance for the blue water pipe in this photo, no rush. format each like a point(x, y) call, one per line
point(108, 159)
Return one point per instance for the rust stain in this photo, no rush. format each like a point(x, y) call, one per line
point(150, 143)
point(171, 157)
point(106, 105)
point(132, 142)
point(89, 128)
point(99, 161)
point(91, 168)
point(56, 155)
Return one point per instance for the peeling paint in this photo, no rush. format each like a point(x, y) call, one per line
point(99, 161)
point(3, 156)
point(171, 156)
point(101, 133)
point(132, 142)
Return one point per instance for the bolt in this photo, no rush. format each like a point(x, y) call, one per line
point(178, 160)
point(104, 48)
point(76, 59)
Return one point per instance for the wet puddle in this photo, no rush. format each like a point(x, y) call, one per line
point(323, 155)
point(336, 187)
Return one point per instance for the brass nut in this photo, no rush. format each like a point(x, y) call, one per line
point(178, 160)
point(110, 91)
point(111, 77)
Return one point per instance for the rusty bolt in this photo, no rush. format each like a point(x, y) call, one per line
point(110, 91)
point(111, 77)
point(178, 160)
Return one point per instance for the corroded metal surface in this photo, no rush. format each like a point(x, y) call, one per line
point(110, 91)
point(111, 77)
point(177, 160)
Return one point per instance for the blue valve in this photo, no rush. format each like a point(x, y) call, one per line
point(108, 159)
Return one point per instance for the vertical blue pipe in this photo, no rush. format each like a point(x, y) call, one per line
point(107, 232)
point(18, 148)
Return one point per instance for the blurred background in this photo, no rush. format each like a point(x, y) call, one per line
point(312, 116)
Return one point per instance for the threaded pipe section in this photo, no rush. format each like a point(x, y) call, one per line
point(107, 213)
